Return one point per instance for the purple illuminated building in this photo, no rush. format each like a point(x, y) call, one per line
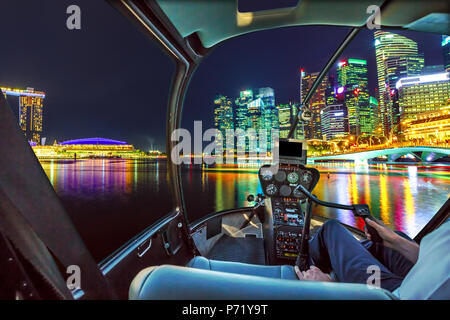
point(94, 141)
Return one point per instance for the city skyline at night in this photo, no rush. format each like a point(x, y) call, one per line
point(90, 94)
point(407, 88)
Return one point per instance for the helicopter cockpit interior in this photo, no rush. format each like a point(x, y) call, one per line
point(241, 253)
point(283, 221)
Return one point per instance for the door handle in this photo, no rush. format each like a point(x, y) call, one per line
point(144, 247)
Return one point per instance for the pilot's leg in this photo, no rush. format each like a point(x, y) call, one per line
point(335, 248)
point(392, 259)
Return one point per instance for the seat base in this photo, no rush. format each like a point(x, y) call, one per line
point(179, 283)
point(277, 272)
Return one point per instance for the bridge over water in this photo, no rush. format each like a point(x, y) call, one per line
point(422, 154)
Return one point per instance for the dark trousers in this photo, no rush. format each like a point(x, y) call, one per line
point(334, 248)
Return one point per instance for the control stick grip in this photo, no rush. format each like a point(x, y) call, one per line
point(363, 211)
point(374, 236)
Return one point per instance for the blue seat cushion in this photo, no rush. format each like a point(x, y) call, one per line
point(175, 283)
point(277, 272)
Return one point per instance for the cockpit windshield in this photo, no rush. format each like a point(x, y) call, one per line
point(379, 132)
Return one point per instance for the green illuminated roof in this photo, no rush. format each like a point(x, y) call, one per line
point(357, 61)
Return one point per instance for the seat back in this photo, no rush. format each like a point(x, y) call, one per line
point(180, 283)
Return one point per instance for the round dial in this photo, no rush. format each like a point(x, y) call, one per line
point(298, 193)
point(280, 176)
point(306, 178)
point(271, 189)
point(285, 190)
point(292, 177)
point(266, 174)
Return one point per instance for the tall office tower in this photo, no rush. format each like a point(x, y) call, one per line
point(269, 113)
point(375, 109)
point(300, 130)
point(223, 117)
point(241, 113)
point(446, 51)
point(422, 94)
point(316, 103)
point(388, 47)
point(30, 111)
point(353, 77)
point(284, 119)
point(335, 121)
point(400, 67)
point(267, 96)
point(330, 92)
point(255, 120)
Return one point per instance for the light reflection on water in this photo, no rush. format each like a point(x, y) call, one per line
point(403, 197)
point(114, 199)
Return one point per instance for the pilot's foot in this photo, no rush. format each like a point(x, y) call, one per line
point(312, 274)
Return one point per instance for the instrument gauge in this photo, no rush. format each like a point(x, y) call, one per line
point(298, 194)
point(306, 178)
point(280, 176)
point(292, 177)
point(285, 190)
point(271, 189)
point(266, 174)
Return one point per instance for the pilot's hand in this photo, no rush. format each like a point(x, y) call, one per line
point(313, 274)
point(390, 238)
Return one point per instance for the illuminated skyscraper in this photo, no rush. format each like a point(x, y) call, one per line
point(267, 96)
point(286, 116)
point(352, 73)
point(241, 112)
point(255, 114)
point(352, 76)
point(446, 51)
point(330, 92)
point(316, 103)
point(334, 121)
point(422, 94)
point(375, 110)
point(269, 113)
point(284, 119)
point(223, 116)
point(396, 56)
point(400, 67)
point(255, 109)
point(30, 111)
point(300, 130)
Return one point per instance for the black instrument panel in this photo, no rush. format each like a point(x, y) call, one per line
point(282, 184)
point(287, 216)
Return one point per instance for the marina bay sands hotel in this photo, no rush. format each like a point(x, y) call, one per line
point(30, 111)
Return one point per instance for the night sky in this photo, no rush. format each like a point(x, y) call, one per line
point(108, 80)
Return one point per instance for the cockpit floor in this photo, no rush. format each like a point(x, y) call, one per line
point(246, 250)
